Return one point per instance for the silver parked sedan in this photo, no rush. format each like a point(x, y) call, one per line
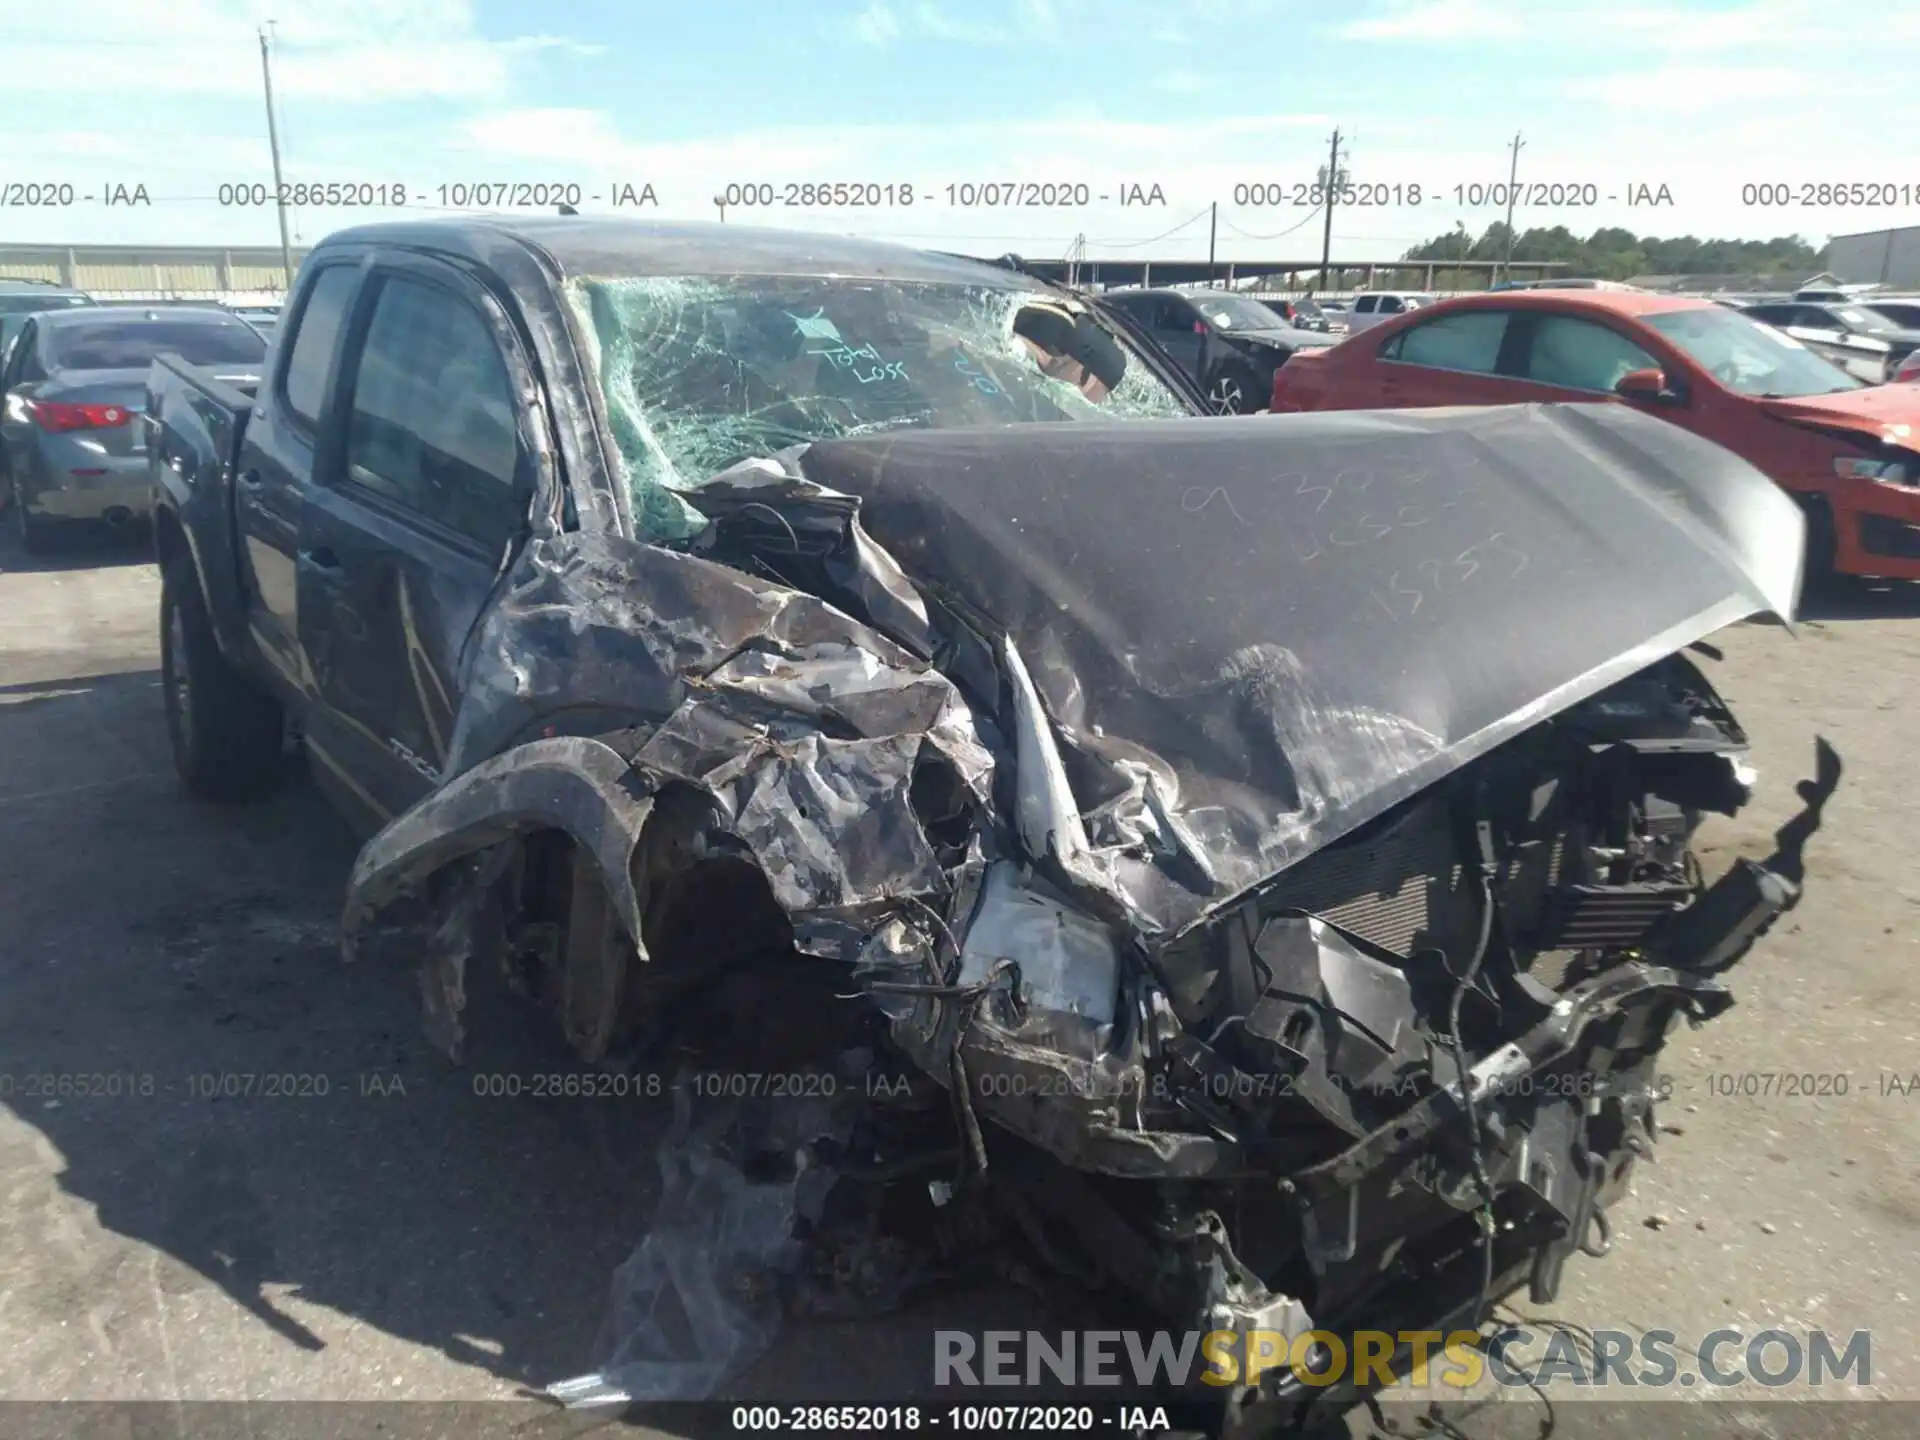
point(71, 443)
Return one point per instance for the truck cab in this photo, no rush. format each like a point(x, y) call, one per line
point(344, 523)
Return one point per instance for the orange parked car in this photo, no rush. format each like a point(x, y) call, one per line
point(1848, 452)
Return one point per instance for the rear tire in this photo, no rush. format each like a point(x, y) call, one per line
point(226, 730)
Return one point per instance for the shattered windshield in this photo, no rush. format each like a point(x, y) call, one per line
point(701, 372)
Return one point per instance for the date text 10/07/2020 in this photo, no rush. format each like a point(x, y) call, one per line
point(952, 1420)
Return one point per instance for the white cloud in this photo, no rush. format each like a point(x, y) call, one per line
point(345, 51)
point(961, 22)
point(1692, 89)
point(1436, 20)
point(876, 25)
point(1786, 25)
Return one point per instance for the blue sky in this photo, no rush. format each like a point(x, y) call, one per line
point(1195, 96)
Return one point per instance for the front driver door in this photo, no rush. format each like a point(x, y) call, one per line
point(410, 524)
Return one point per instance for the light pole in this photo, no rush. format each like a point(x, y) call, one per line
point(1331, 179)
point(273, 143)
point(1513, 184)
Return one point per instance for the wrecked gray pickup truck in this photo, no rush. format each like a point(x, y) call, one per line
point(1258, 848)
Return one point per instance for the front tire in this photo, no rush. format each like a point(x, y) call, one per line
point(1233, 392)
point(1822, 545)
point(226, 731)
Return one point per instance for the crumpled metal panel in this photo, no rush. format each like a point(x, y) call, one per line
point(1287, 624)
point(805, 726)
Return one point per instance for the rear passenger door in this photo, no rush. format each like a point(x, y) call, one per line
point(281, 450)
point(410, 524)
point(1448, 360)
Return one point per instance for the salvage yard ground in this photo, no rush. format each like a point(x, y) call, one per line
point(401, 1237)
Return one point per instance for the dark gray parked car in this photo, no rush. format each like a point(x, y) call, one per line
point(71, 447)
point(1229, 344)
point(21, 298)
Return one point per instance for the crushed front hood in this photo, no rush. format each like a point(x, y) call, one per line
point(1252, 635)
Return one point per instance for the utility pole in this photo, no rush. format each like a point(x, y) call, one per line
point(1330, 182)
point(1513, 183)
point(1213, 229)
point(273, 141)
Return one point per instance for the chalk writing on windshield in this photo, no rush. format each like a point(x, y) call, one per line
point(979, 382)
point(815, 326)
point(864, 363)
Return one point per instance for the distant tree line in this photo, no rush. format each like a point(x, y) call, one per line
point(1611, 253)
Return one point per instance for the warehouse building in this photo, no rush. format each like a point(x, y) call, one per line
point(235, 273)
point(1877, 257)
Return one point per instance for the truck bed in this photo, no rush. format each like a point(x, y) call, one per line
point(196, 423)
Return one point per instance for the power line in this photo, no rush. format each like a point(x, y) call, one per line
point(1312, 215)
point(1136, 244)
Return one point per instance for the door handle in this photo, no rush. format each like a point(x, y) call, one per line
point(250, 480)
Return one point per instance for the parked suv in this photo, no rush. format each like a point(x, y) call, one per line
point(1229, 344)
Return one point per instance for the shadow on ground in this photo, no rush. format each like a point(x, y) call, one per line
point(77, 547)
point(293, 1140)
point(1864, 600)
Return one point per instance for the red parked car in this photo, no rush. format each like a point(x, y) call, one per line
point(1850, 453)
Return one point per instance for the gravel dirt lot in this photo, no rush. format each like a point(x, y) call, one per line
point(399, 1237)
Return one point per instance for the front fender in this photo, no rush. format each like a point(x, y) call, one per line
point(569, 783)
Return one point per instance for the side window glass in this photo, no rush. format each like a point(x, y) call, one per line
point(1390, 305)
point(1468, 341)
point(316, 328)
point(433, 420)
point(1364, 305)
point(1580, 355)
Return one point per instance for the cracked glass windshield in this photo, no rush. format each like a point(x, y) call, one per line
point(698, 373)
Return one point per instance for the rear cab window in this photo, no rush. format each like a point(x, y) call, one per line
point(316, 329)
